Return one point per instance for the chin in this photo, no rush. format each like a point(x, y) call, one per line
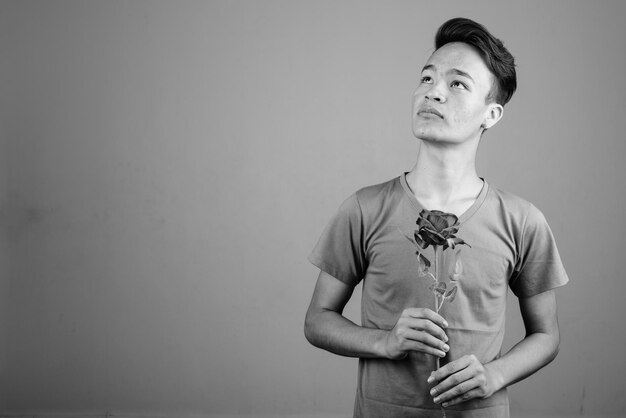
point(426, 134)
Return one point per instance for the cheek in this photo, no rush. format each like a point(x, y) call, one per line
point(416, 101)
point(468, 116)
point(419, 95)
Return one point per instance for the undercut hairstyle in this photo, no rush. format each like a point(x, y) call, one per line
point(493, 52)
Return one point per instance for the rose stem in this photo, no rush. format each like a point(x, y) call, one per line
point(438, 307)
point(436, 279)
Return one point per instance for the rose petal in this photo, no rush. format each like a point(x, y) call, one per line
point(437, 212)
point(459, 241)
point(450, 218)
point(424, 223)
point(437, 221)
point(432, 237)
point(450, 231)
point(420, 241)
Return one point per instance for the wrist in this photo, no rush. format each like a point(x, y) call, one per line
point(495, 377)
point(380, 345)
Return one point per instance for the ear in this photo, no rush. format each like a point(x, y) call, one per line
point(492, 115)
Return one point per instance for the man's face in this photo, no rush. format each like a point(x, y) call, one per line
point(449, 104)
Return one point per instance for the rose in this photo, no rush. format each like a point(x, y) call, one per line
point(437, 228)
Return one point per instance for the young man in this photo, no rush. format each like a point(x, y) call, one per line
point(413, 360)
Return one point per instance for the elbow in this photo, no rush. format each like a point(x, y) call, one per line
point(554, 344)
point(556, 347)
point(309, 328)
point(552, 354)
point(307, 331)
point(546, 346)
point(316, 328)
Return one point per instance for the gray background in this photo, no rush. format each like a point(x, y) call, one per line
point(167, 167)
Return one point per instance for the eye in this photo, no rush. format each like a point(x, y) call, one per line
point(426, 79)
point(458, 85)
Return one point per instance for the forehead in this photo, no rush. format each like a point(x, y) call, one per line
point(461, 56)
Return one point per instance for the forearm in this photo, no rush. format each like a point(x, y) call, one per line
point(417, 329)
point(333, 332)
point(525, 358)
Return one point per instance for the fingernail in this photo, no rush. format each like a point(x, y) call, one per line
point(446, 347)
point(445, 323)
point(437, 399)
point(431, 379)
point(433, 392)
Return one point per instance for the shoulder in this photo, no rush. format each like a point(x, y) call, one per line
point(377, 192)
point(508, 199)
point(515, 208)
point(513, 203)
point(372, 199)
point(368, 200)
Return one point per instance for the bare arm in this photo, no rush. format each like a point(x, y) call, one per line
point(325, 327)
point(466, 378)
point(539, 347)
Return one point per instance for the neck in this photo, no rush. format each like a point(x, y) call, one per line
point(444, 177)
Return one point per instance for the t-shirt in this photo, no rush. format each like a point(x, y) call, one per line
point(509, 245)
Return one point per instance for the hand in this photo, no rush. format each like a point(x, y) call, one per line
point(461, 380)
point(417, 329)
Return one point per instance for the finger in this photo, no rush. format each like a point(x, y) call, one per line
point(449, 369)
point(427, 340)
point(418, 346)
point(427, 314)
point(427, 326)
point(472, 394)
point(455, 385)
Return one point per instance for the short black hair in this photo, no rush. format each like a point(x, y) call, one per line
point(493, 52)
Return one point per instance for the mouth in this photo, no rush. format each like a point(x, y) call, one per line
point(429, 112)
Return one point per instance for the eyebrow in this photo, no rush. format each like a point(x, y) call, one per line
point(453, 70)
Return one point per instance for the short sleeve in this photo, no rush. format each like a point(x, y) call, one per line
point(539, 267)
point(340, 250)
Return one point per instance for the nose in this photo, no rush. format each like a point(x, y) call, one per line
point(436, 93)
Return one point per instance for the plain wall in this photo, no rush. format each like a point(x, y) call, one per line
point(4, 213)
point(169, 165)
